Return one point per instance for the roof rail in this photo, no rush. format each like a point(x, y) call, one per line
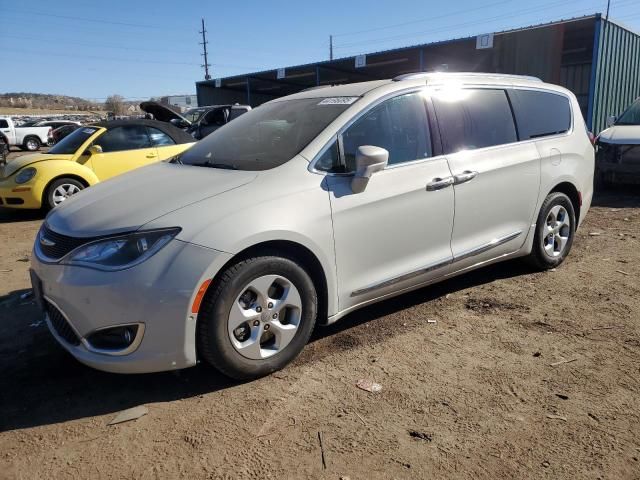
point(316, 88)
point(427, 75)
point(411, 76)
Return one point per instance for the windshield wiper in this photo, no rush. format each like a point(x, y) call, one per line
point(210, 164)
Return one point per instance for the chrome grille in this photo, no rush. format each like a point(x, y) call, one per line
point(55, 246)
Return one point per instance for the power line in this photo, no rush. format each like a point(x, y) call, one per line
point(101, 45)
point(449, 27)
point(420, 20)
point(83, 19)
point(134, 60)
point(99, 57)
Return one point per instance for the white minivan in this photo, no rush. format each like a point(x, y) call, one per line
point(307, 208)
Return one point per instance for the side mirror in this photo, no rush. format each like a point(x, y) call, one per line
point(369, 160)
point(94, 149)
point(611, 120)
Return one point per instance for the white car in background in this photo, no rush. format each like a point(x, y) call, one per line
point(307, 208)
point(27, 138)
point(618, 149)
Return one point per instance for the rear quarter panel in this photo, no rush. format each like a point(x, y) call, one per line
point(568, 158)
point(169, 151)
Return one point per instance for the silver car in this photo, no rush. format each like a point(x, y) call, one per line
point(307, 208)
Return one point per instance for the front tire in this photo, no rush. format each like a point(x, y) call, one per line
point(257, 317)
point(59, 190)
point(32, 144)
point(555, 230)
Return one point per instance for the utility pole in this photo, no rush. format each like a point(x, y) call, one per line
point(330, 47)
point(204, 47)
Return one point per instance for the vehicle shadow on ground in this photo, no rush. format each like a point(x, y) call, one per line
point(624, 196)
point(504, 270)
point(8, 215)
point(42, 384)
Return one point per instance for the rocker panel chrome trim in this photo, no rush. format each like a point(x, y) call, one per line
point(402, 278)
point(487, 246)
point(443, 263)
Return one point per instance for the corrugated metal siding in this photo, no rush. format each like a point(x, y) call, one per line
point(617, 80)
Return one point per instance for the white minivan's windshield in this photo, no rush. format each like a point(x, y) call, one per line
point(267, 136)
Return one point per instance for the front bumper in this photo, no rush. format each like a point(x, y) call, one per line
point(618, 163)
point(157, 294)
point(26, 196)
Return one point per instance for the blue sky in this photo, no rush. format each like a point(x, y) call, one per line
point(143, 48)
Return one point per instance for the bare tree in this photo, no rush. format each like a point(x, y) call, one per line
point(115, 104)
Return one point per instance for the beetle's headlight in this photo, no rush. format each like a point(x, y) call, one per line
point(121, 252)
point(25, 175)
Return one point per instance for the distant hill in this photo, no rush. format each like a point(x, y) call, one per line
point(47, 101)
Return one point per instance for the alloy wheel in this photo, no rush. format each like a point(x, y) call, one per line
point(64, 191)
point(556, 231)
point(265, 317)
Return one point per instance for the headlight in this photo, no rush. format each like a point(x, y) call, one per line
point(119, 253)
point(25, 175)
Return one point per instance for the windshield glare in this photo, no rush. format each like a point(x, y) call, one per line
point(69, 144)
point(265, 137)
point(631, 116)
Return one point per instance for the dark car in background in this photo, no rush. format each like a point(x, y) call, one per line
point(203, 121)
point(4, 149)
point(618, 149)
point(61, 132)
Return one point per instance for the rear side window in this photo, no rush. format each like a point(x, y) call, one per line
point(4, 123)
point(236, 112)
point(159, 138)
point(471, 119)
point(540, 114)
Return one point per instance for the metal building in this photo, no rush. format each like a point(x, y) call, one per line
point(597, 59)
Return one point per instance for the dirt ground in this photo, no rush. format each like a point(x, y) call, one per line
point(525, 375)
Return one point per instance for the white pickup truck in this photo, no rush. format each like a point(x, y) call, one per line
point(27, 138)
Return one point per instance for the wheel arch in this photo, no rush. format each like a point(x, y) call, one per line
point(293, 251)
point(31, 135)
point(72, 176)
point(570, 190)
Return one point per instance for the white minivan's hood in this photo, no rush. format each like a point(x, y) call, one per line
point(621, 135)
point(127, 202)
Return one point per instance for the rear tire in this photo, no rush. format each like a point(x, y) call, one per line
point(31, 144)
point(555, 230)
point(257, 317)
point(59, 190)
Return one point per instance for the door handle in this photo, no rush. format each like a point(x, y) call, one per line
point(439, 183)
point(152, 155)
point(464, 177)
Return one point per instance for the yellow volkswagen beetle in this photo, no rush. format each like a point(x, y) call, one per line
point(87, 156)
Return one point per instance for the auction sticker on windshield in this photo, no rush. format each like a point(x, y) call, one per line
point(338, 101)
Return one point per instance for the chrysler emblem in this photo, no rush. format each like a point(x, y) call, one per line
point(46, 242)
